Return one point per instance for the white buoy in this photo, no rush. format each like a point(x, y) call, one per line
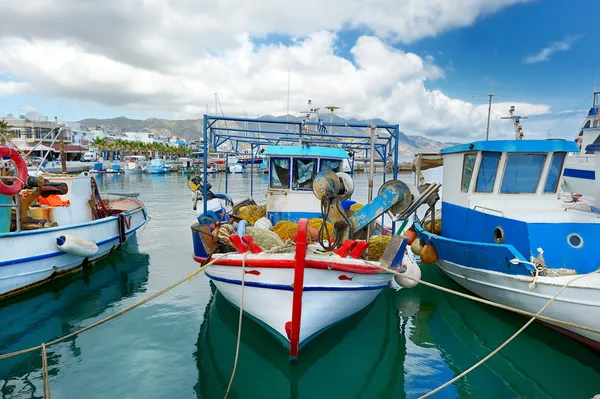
point(77, 246)
point(411, 269)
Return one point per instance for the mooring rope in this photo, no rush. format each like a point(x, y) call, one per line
point(512, 337)
point(491, 303)
point(45, 384)
point(239, 335)
point(115, 315)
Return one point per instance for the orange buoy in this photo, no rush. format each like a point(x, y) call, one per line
point(410, 236)
point(428, 254)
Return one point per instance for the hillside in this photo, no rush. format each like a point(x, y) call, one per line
point(191, 129)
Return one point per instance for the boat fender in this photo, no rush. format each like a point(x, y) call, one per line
point(77, 246)
point(428, 254)
point(264, 223)
point(410, 236)
point(416, 247)
point(21, 178)
point(409, 268)
point(241, 230)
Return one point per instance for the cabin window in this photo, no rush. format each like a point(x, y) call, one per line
point(587, 125)
point(331, 164)
point(468, 165)
point(487, 172)
point(522, 173)
point(280, 173)
point(304, 172)
point(554, 172)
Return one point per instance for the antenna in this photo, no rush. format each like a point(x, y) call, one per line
point(491, 95)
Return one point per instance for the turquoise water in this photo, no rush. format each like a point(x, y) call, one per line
point(182, 344)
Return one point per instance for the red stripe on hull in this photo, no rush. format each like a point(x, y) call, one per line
point(298, 287)
point(291, 264)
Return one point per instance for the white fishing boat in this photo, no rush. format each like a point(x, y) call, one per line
point(61, 225)
point(298, 289)
point(134, 164)
point(506, 236)
point(579, 173)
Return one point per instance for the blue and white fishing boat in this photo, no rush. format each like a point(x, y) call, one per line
point(157, 166)
point(579, 174)
point(61, 225)
point(506, 236)
point(297, 290)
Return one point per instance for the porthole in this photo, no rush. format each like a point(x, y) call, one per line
point(499, 235)
point(575, 240)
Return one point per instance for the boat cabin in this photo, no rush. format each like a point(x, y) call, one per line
point(589, 133)
point(505, 192)
point(291, 173)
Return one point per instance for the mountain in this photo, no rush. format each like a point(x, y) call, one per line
point(191, 129)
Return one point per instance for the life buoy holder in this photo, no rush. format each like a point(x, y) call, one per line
point(22, 174)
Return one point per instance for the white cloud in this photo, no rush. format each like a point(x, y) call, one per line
point(11, 88)
point(171, 57)
point(545, 53)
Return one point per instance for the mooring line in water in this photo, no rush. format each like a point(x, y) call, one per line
point(239, 335)
point(515, 335)
point(113, 316)
point(496, 304)
point(45, 385)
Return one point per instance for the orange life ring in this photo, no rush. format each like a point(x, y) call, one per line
point(21, 178)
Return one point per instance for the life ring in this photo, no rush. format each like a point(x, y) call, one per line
point(21, 178)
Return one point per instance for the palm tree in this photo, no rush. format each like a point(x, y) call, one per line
point(4, 130)
point(99, 144)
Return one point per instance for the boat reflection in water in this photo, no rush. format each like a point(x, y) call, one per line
point(61, 307)
point(404, 344)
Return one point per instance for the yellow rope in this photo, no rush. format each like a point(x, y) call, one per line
point(498, 349)
point(239, 336)
point(113, 316)
point(491, 303)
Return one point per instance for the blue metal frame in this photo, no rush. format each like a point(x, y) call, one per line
point(214, 136)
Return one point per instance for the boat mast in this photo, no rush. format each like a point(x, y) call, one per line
point(516, 122)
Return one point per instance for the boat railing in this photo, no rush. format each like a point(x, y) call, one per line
point(485, 209)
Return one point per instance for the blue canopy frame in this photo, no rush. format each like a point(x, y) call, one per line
point(298, 132)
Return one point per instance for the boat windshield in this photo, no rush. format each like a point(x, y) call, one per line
point(280, 173)
point(522, 173)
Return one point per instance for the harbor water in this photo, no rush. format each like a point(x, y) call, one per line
point(182, 344)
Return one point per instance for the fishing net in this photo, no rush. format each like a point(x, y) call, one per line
point(252, 213)
point(318, 222)
point(377, 246)
point(265, 239)
point(286, 229)
point(356, 207)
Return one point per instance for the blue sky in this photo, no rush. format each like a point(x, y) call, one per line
point(545, 59)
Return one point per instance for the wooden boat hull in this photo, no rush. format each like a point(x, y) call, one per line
point(332, 290)
point(34, 257)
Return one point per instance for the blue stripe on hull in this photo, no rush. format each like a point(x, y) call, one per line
point(580, 174)
point(59, 253)
point(283, 287)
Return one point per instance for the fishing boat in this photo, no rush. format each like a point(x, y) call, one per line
point(506, 236)
point(237, 168)
point(187, 166)
point(115, 168)
point(61, 225)
point(579, 173)
point(157, 166)
point(134, 164)
point(299, 289)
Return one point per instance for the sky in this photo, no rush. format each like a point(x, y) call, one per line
point(426, 65)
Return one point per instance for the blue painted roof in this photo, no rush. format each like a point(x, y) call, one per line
point(593, 147)
point(514, 146)
point(305, 151)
